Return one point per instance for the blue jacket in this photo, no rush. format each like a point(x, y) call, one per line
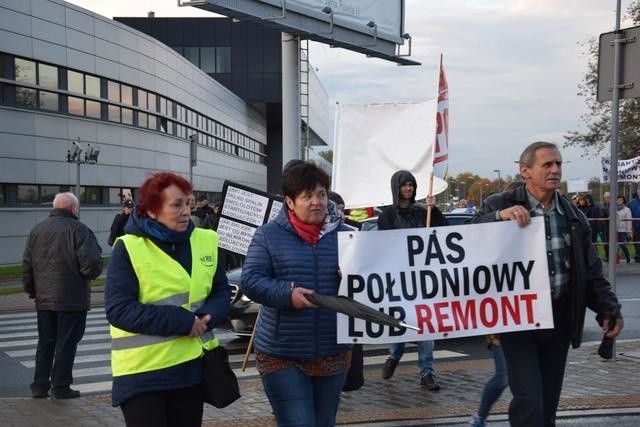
point(125, 312)
point(278, 257)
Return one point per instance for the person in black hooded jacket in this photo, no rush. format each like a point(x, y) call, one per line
point(405, 213)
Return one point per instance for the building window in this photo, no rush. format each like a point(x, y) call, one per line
point(3, 188)
point(26, 97)
point(142, 99)
point(142, 119)
point(48, 192)
point(126, 94)
point(153, 123)
point(193, 55)
point(114, 113)
point(92, 86)
point(113, 91)
point(27, 194)
point(127, 116)
point(91, 196)
point(75, 82)
point(208, 59)
point(93, 109)
point(223, 60)
point(25, 71)
point(49, 101)
point(75, 105)
point(48, 76)
point(152, 103)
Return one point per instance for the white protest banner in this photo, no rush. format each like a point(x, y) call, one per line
point(577, 186)
point(243, 210)
point(450, 282)
point(628, 170)
point(373, 141)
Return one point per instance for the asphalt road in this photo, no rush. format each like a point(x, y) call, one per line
point(18, 335)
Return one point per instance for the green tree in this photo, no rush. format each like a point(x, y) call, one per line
point(597, 136)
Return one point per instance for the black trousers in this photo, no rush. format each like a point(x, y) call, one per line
point(167, 408)
point(59, 333)
point(536, 363)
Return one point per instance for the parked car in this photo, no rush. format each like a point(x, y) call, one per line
point(244, 312)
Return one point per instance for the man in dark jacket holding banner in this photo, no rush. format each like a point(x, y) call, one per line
point(404, 213)
point(536, 359)
point(60, 258)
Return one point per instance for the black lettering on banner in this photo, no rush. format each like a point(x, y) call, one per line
point(434, 250)
point(482, 286)
point(398, 313)
point(426, 292)
point(415, 245)
point(390, 282)
point(355, 284)
point(375, 283)
point(526, 272)
point(459, 250)
point(409, 288)
point(352, 328)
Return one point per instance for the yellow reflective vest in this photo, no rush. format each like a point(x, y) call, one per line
point(163, 281)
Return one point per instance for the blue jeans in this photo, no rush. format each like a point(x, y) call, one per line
point(497, 383)
point(425, 355)
point(59, 333)
point(303, 401)
point(536, 362)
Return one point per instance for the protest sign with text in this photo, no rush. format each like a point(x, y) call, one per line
point(449, 281)
point(628, 170)
point(243, 210)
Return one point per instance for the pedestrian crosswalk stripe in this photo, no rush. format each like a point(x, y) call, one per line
point(92, 367)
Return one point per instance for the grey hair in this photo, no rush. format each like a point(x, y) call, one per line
point(528, 156)
point(67, 201)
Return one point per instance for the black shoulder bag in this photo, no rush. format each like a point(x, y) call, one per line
point(219, 383)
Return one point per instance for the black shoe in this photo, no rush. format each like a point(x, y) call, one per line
point(430, 381)
point(39, 394)
point(66, 394)
point(389, 368)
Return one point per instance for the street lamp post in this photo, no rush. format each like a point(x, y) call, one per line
point(75, 156)
point(499, 180)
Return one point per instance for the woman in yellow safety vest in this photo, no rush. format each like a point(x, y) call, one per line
point(164, 294)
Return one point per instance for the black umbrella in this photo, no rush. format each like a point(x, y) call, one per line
point(353, 308)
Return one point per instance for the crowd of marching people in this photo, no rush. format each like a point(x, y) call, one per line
point(166, 290)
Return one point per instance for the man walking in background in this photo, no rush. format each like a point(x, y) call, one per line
point(120, 220)
point(404, 213)
point(60, 258)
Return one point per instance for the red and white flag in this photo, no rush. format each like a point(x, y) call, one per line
point(441, 146)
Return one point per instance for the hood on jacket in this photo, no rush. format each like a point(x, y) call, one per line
point(399, 178)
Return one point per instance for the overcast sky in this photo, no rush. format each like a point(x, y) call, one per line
point(513, 68)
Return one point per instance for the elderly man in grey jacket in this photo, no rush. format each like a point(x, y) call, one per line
point(60, 258)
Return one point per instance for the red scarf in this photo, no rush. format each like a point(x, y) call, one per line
point(309, 232)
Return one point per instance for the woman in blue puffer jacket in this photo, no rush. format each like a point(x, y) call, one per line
point(301, 366)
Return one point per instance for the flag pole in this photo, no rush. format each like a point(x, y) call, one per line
point(250, 345)
point(429, 195)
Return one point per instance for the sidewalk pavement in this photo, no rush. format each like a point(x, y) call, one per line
point(590, 384)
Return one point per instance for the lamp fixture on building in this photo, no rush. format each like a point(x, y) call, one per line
point(328, 11)
point(373, 27)
point(407, 37)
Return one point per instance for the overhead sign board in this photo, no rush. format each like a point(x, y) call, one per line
point(371, 27)
point(629, 64)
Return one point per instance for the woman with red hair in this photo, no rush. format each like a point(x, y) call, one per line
point(165, 292)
